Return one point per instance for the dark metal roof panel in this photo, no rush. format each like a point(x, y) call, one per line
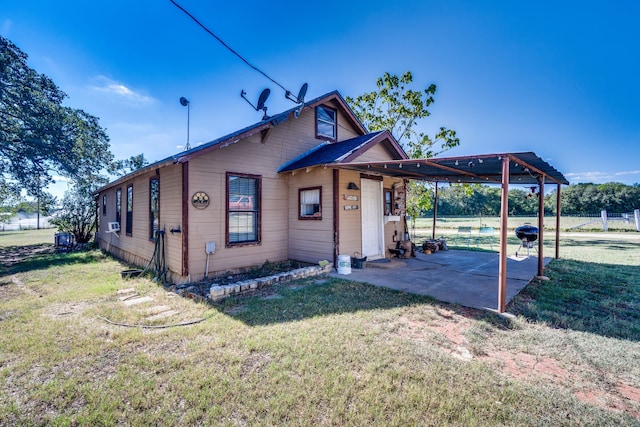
point(525, 168)
point(328, 153)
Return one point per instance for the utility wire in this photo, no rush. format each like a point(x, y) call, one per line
point(226, 45)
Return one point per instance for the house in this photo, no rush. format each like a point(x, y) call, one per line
point(279, 189)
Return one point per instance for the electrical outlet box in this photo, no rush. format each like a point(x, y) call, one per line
point(210, 247)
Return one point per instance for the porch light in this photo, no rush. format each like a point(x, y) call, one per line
point(352, 186)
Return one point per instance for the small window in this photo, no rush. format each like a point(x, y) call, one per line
point(326, 123)
point(104, 204)
point(310, 201)
point(129, 210)
point(243, 209)
point(154, 207)
point(388, 202)
point(118, 205)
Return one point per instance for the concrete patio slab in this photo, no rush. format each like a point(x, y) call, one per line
point(466, 278)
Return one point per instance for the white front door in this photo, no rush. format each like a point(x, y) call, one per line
point(372, 221)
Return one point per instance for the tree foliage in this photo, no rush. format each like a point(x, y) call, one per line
point(38, 135)
point(123, 167)
point(78, 214)
point(580, 199)
point(394, 106)
point(577, 199)
point(399, 109)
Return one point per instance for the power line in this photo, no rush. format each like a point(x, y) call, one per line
point(226, 45)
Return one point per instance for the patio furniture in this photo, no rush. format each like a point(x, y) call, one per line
point(485, 233)
point(463, 233)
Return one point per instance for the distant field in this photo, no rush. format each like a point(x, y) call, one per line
point(26, 237)
point(566, 223)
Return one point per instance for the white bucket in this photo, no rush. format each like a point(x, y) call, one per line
point(344, 264)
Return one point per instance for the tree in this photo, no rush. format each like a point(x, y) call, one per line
point(78, 214)
point(123, 167)
point(396, 108)
point(581, 199)
point(40, 136)
point(399, 109)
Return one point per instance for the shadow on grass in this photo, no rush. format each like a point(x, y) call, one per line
point(315, 297)
point(22, 259)
point(603, 244)
point(603, 299)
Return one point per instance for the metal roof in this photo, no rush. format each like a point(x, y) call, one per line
point(261, 126)
point(524, 168)
point(328, 152)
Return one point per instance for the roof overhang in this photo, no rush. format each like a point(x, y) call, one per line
point(525, 168)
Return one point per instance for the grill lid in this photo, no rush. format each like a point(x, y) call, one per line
point(527, 232)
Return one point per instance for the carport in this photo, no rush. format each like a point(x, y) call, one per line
point(524, 168)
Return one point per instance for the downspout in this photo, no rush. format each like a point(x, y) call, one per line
point(504, 212)
point(336, 218)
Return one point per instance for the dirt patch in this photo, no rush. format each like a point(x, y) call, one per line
point(452, 326)
point(71, 309)
point(528, 366)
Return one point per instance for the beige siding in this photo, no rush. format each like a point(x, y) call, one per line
point(208, 173)
point(171, 217)
point(137, 248)
point(376, 153)
point(311, 240)
point(350, 220)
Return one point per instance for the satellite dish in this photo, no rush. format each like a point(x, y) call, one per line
point(301, 94)
point(262, 99)
point(184, 101)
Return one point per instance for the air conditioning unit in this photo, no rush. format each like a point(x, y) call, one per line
point(113, 227)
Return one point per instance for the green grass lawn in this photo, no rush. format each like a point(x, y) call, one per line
point(318, 351)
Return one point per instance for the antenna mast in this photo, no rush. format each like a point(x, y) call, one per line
point(185, 103)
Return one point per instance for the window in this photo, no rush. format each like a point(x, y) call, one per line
point(154, 206)
point(326, 123)
point(129, 210)
point(243, 209)
point(388, 202)
point(104, 204)
point(310, 201)
point(118, 204)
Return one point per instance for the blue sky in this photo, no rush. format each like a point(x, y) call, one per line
point(558, 78)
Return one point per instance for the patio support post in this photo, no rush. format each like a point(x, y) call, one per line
point(504, 212)
point(558, 199)
point(435, 213)
point(336, 217)
point(185, 219)
point(541, 225)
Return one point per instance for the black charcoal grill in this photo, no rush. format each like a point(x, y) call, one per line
point(527, 234)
